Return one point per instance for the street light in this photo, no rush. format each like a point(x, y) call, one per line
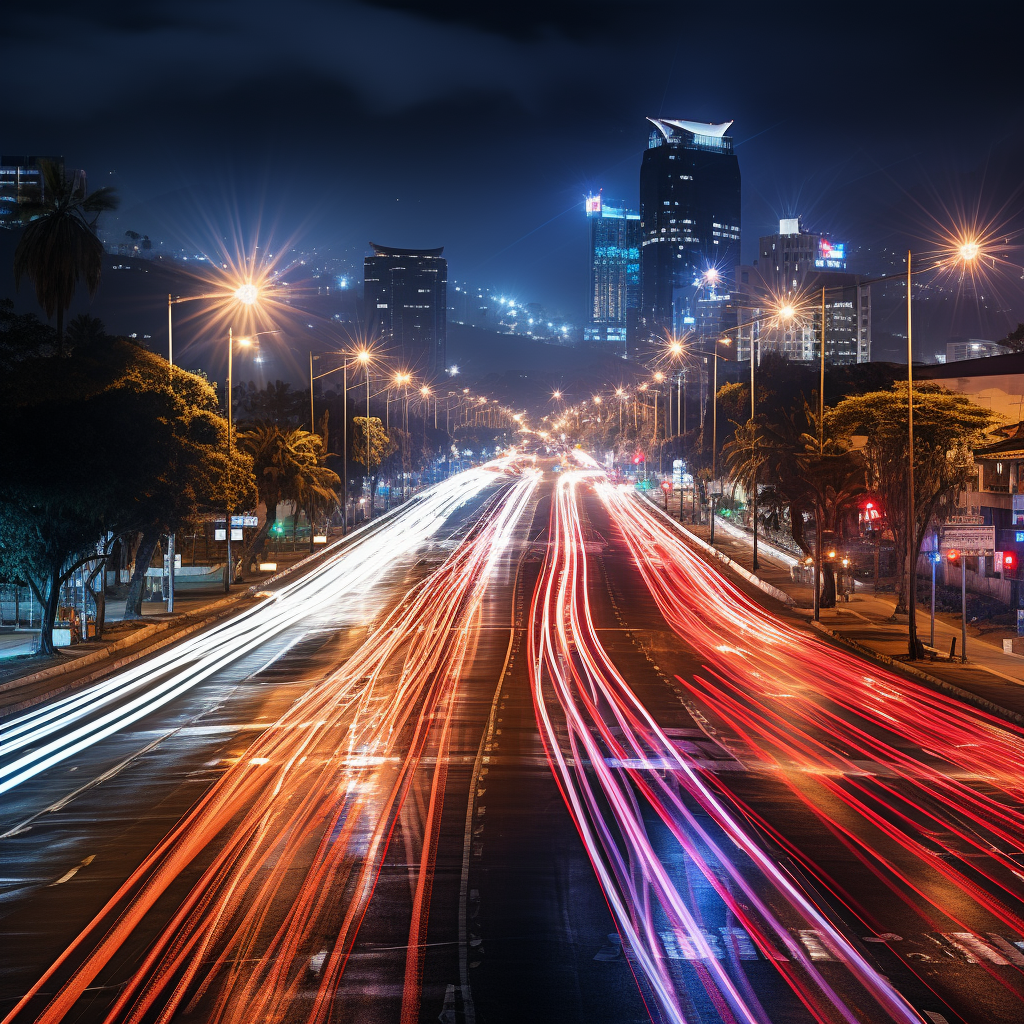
point(714, 425)
point(248, 294)
point(362, 357)
point(244, 342)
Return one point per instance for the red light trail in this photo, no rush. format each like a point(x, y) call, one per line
point(933, 785)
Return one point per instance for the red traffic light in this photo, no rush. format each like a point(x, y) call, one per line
point(952, 554)
point(667, 486)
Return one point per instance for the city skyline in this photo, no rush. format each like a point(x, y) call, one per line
point(249, 139)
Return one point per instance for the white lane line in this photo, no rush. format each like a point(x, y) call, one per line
point(74, 871)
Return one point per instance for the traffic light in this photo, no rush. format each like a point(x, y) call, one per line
point(666, 485)
point(952, 554)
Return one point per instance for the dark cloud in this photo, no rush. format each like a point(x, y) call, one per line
point(480, 126)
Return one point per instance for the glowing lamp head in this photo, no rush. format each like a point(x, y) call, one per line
point(659, 376)
point(619, 392)
point(363, 356)
point(675, 348)
point(787, 312)
point(424, 391)
point(952, 554)
point(556, 394)
point(247, 294)
point(969, 251)
point(725, 341)
point(712, 276)
point(244, 341)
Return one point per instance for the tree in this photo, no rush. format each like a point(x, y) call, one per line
point(288, 466)
point(75, 478)
point(58, 245)
point(1014, 340)
point(946, 428)
point(380, 447)
point(821, 477)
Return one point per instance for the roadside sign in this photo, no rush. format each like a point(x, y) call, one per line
point(969, 540)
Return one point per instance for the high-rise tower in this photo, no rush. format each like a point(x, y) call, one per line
point(690, 228)
point(405, 291)
point(614, 271)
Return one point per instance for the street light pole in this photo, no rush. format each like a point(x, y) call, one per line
point(312, 420)
point(714, 439)
point(368, 474)
point(912, 516)
point(227, 518)
point(753, 448)
point(170, 536)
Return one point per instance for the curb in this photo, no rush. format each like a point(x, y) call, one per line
point(933, 681)
point(133, 638)
point(771, 591)
point(178, 627)
point(113, 666)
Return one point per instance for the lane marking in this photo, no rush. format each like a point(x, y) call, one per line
point(74, 871)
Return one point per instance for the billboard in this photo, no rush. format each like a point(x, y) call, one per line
point(831, 255)
point(593, 204)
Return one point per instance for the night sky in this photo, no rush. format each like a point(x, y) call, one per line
point(481, 126)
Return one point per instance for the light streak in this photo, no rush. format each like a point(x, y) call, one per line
point(607, 752)
point(58, 730)
point(302, 824)
point(920, 790)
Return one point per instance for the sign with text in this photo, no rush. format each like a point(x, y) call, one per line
point(971, 540)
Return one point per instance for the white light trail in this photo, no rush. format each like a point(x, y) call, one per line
point(56, 731)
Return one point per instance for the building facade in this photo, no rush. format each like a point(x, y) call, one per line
point(689, 225)
point(406, 296)
point(21, 176)
point(961, 349)
point(793, 267)
point(614, 296)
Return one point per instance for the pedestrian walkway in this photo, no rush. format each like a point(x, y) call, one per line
point(868, 621)
point(26, 677)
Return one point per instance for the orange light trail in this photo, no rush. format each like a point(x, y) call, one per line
point(302, 823)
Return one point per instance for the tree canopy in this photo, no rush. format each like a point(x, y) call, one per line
point(113, 440)
point(947, 426)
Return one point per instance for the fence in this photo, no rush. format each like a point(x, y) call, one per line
point(18, 607)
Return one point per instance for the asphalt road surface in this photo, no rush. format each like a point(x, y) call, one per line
point(518, 755)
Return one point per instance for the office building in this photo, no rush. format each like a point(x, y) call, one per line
point(787, 259)
point(405, 292)
point(22, 175)
point(792, 268)
point(960, 349)
point(614, 296)
point(689, 226)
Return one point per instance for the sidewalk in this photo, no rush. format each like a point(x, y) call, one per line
point(990, 679)
point(27, 678)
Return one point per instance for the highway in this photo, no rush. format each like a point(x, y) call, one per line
point(517, 754)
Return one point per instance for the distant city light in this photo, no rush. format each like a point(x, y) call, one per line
point(453, 370)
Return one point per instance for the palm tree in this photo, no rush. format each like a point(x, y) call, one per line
point(288, 465)
point(59, 245)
